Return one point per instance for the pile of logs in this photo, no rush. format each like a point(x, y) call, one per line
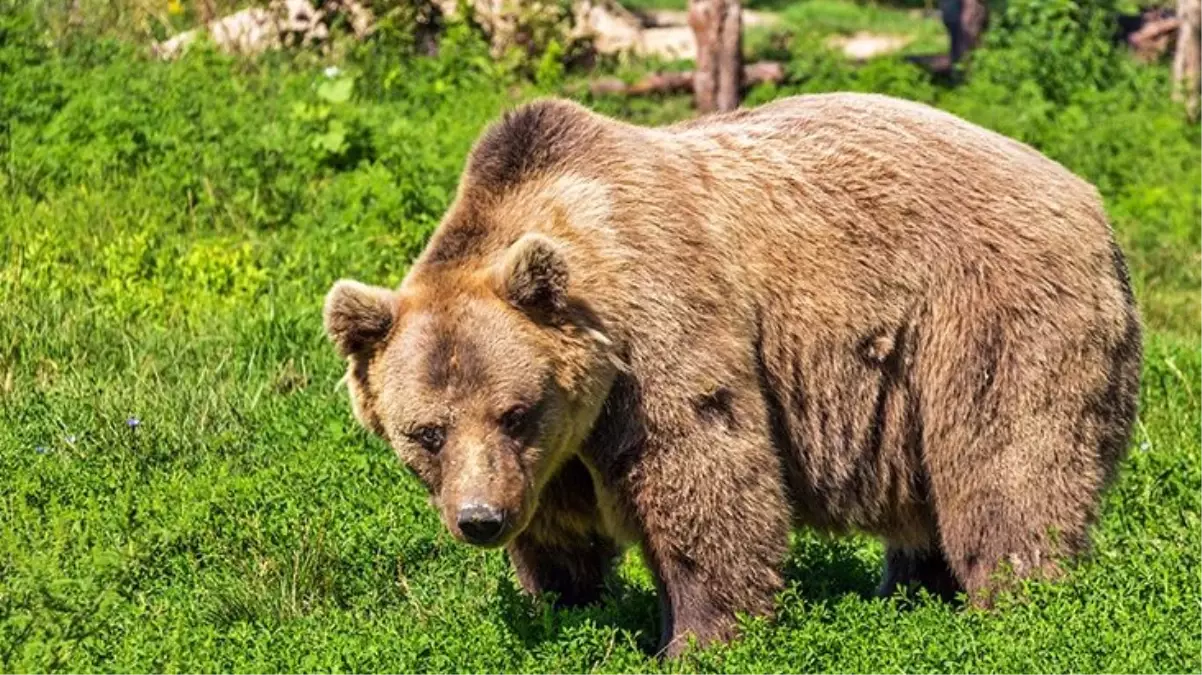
point(608, 26)
point(713, 37)
point(281, 23)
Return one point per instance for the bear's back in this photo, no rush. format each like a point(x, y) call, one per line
point(886, 152)
point(858, 191)
point(825, 194)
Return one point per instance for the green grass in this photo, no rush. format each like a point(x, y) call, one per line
point(166, 238)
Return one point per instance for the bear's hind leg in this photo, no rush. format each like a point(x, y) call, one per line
point(1020, 525)
point(1025, 420)
point(911, 569)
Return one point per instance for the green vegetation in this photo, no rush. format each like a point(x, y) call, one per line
point(182, 486)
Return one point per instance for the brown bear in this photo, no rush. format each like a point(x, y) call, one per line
point(841, 311)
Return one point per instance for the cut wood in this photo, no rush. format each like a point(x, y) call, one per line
point(611, 27)
point(592, 26)
point(682, 82)
point(1153, 38)
point(206, 10)
point(258, 29)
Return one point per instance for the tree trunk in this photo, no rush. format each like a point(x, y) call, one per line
point(730, 56)
point(718, 27)
point(973, 20)
point(1187, 61)
point(965, 21)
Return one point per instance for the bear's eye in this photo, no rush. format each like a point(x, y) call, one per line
point(430, 437)
point(516, 421)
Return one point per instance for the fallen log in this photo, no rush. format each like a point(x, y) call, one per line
point(682, 82)
point(1153, 38)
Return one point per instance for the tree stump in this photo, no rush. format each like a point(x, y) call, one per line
point(965, 21)
point(718, 27)
point(1187, 61)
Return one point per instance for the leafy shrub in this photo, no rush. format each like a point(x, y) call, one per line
point(1058, 47)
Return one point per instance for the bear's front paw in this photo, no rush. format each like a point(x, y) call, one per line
point(684, 639)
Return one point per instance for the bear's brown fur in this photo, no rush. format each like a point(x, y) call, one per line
point(843, 311)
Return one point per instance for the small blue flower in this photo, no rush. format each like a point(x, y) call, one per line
point(70, 439)
point(41, 450)
point(1145, 446)
point(133, 422)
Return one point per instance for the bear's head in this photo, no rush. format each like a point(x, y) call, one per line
point(484, 379)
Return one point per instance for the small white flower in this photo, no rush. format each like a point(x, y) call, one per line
point(332, 71)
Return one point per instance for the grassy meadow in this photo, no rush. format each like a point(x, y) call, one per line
point(182, 486)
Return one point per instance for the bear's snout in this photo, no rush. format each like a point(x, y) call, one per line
point(480, 524)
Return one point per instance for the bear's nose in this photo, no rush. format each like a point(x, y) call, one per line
point(480, 523)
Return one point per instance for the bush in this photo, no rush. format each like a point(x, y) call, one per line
point(1060, 48)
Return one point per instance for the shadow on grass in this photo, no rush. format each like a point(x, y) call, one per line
point(823, 569)
point(623, 606)
point(828, 568)
point(939, 67)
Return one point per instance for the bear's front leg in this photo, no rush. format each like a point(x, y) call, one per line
point(711, 510)
point(573, 567)
point(562, 550)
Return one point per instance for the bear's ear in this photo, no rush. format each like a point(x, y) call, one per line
point(357, 316)
point(534, 275)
